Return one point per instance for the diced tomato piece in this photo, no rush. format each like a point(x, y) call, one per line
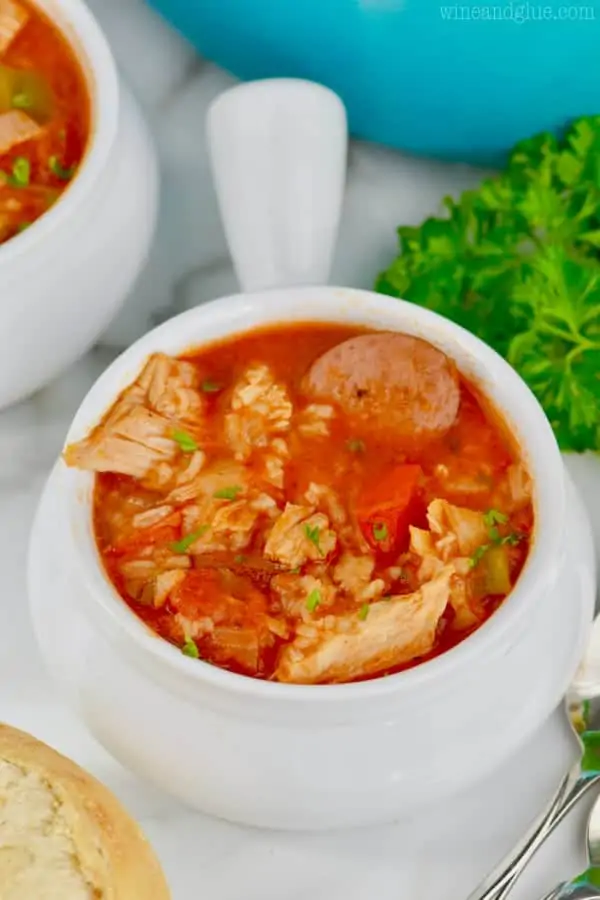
point(386, 509)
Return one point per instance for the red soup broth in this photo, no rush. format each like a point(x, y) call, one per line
point(469, 466)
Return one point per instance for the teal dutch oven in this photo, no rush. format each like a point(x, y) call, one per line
point(459, 82)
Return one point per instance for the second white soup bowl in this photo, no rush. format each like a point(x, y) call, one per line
point(64, 278)
point(291, 756)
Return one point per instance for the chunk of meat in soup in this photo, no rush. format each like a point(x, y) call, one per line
point(139, 435)
point(394, 384)
point(395, 630)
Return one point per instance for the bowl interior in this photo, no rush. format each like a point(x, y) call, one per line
point(237, 314)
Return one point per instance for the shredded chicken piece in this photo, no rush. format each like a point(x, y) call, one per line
point(13, 17)
point(300, 535)
point(138, 437)
point(456, 534)
point(188, 483)
point(314, 420)
point(294, 591)
point(171, 388)
point(133, 444)
point(234, 524)
point(326, 500)
point(465, 527)
point(16, 127)
point(394, 632)
point(354, 574)
point(514, 491)
point(263, 503)
point(260, 410)
point(220, 476)
point(165, 583)
point(196, 628)
point(225, 524)
point(151, 517)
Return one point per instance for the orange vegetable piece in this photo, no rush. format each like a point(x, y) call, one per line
point(386, 509)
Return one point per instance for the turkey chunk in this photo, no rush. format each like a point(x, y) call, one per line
point(134, 443)
point(294, 591)
point(464, 530)
point(171, 388)
point(233, 525)
point(455, 535)
point(260, 410)
point(138, 437)
point(353, 574)
point(300, 535)
point(394, 632)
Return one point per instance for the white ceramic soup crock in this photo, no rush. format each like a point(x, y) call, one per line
point(63, 279)
point(292, 756)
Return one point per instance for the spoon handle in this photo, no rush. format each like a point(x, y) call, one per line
point(501, 881)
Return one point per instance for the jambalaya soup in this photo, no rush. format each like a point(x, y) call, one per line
point(308, 503)
point(44, 116)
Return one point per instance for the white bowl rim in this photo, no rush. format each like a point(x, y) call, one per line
point(543, 457)
point(104, 112)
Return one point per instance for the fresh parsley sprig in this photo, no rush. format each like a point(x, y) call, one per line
point(517, 262)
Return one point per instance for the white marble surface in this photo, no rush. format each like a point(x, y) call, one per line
point(444, 850)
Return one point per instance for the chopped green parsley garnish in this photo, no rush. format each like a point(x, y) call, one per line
point(313, 600)
point(295, 571)
point(62, 172)
point(313, 534)
point(185, 441)
point(210, 387)
point(380, 532)
point(240, 559)
point(190, 649)
point(512, 539)
point(496, 540)
point(228, 493)
point(494, 517)
point(21, 101)
point(21, 172)
point(363, 612)
point(479, 553)
point(186, 542)
point(355, 445)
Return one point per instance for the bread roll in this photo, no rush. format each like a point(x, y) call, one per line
point(63, 836)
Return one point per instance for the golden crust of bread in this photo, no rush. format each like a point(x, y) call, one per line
point(110, 856)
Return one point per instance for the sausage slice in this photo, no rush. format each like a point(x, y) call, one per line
point(394, 384)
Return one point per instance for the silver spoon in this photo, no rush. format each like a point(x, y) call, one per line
point(582, 706)
point(585, 886)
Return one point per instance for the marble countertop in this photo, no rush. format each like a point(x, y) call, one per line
point(448, 848)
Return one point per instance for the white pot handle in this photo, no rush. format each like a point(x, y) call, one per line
point(278, 153)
